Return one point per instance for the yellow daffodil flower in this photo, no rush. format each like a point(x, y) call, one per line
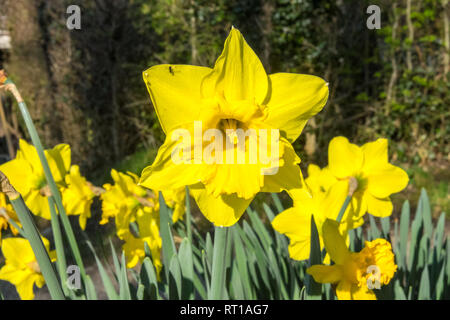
point(354, 273)
point(377, 178)
point(77, 196)
point(148, 228)
point(6, 213)
point(236, 94)
point(323, 201)
point(21, 267)
point(127, 202)
point(26, 174)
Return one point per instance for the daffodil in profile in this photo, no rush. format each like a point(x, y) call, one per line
point(323, 199)
point(26, 174)
point(77, 195)
point(354, 274)
point(377, 179)
point(21, 268)
point(128, 203)
point(213, 118)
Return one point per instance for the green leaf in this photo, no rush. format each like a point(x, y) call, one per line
point(374, 231)
point(107, 283)
point(175, 279)
point(439, 291)
point(426, 213)
point(90, 289)
point(241, 262)
point(314, 289)
point(404, 231)
point(149, 279)
point(277, 202)
point(439, 236)
point(124, 287)
point(398, 291)
point(424, 287)
point(385, 227)
point(165, 222)
point(187, 269)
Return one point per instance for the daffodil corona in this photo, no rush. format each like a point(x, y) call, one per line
point(240, 109)
point(354, 273)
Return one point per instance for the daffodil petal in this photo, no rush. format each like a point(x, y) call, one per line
point(334, 242)
point(165, 174)
point(59, 160)
point(175, 93)
point(379, 207)
point(344, 158)
point(325, 274)
point(375, 154)
point(292, 223)
point(222, 211)
point(387, 180)
point(344, 290)
point(238, 73)
point(293, 99)
point(362, 293)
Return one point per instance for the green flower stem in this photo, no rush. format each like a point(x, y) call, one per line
point(188, 216)
point(53, 188)
point(352, 186)
point(218, 264)
point(343, 208)
point(57, 236)
point(32, 234)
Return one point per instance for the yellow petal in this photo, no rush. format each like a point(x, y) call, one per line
point(165, 174)
point(37, 204)
point(289, 176)
point(362, 293)
point(375, 154)
point(334, 242)
point(292, 223)
point(17, 251)
point(379, 207)
point(325, 274)
point(222, 211)
point(297, 227)
point(343, 290)
point(18, 172)
point(175, 93)
point(293, 99)
point(387, 180)
point(59, 161)
point(25, 288)
point(238, 73)
point(344, 158)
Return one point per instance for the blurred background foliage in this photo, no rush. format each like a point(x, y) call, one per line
point(84, 87)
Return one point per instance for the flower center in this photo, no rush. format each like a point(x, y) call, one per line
point(33, 265)
point(374, 262)
point(229, 127)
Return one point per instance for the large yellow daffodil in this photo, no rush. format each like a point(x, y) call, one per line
point(26, 174)
point(21, 267)
point(236, 94)
point(354, 272)
point(377, 178)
